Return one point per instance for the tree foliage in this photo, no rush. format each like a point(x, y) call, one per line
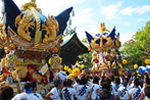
point(137, 49)
point(84, 40)
point(86, 59)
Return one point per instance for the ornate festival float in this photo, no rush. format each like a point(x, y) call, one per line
point(103, 46)
point(29, 38)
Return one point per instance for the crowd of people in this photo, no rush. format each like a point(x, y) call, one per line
point(95, 85)
point(7, 93)
point(89, 85)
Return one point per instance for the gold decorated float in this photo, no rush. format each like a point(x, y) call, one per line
point(29, 39)
point(104, 46)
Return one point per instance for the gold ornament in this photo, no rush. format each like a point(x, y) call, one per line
point(24, 24)
point(33, 1)
point(66, 68)
point(76, 72)
point(55, 62)
point(69, 70)
point(124, 62)
point(82, 66)
point(51, 28)
point(103, 28)
point(70, 76)
point(147, 61)
point(135, 66)
point(19, 73)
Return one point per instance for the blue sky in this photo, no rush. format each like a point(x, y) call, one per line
point(127, 15)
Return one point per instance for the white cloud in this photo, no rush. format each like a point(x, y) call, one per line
point(110, 11)
point(140, 19)
point(138, 10)
point(127, 11)
point(84, 19)
point(124, 37)
point(83, 16)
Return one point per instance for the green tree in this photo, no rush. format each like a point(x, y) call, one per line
point(86, 59)
point(142, 39)
point(84, 40)
point(137, 49)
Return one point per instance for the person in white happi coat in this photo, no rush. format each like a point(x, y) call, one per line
point(95, 88)
point(134, 93)
point(147, 83)
point(123, 91)
point(68, 92)
point(82, 90)
point(54, 94)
